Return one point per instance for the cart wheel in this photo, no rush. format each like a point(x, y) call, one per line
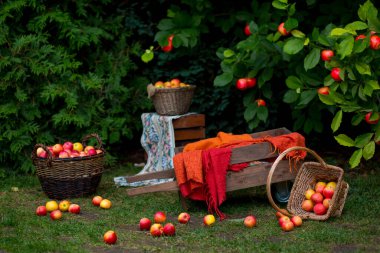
point(282, 191)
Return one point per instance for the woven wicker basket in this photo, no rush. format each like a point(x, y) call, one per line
point(62, 178)
point(173, 101)
point(307, 176)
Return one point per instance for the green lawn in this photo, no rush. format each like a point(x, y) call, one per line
point(357, 230)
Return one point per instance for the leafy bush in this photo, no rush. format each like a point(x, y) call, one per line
point(68, 68)
point(288, 69)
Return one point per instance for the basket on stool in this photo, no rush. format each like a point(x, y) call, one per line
point(62, 178)
point(308, 175)
point(173, 101)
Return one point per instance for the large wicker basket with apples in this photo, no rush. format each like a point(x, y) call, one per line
point(318, 191)
point(70, 169)
point(172, 97)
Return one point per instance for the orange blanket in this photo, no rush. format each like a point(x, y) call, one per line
point(200, 170)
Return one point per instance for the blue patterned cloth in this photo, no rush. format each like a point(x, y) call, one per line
point(158, 141)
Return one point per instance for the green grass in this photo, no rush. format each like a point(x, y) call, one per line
point(357, 230)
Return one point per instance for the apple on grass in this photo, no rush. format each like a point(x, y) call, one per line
point(250, 221)
point(74, 208)
point(96, 200)
point(169, 229)
point(41, 211)
point(209, 220)
point(145, 224)
point(105, 204)
point(183, 218)
point(51, 205)
point(159, 217)
point(56, 215)
point(283, 219)
point(110, 237)
point(287, 226)
point(156, 229)
point(296, 220)
point(64, 205)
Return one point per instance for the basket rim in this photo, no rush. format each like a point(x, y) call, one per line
point(167, 90)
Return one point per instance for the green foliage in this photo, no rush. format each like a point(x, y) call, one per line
point(67, 70)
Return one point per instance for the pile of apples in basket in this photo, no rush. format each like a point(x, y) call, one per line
point(68, 150)
point(317, 200)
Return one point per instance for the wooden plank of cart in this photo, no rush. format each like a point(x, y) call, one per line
point(259, 155)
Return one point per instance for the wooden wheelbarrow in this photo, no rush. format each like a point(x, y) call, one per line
point(259, 155)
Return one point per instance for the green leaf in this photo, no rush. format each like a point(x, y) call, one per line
point(363, 68)
point(355, 158)
point(292, 9)
point(293, 82)
point(228, 53)
point(369, 150)
point(356, 119)
point(337, 120)
point(147, 56)
point(326, 99)
point(345, 47)
point(223, 79)
point(290, 24)
point(357, 25)
point(165, 24)
point(363, 139)
point(373, 83)
point(312, 59)
point(290, 96)
point(279, 5)
point(367, 10)
point(344, 140)
point(297, 33)
point(307, 96)
point(250, 112)
point(262, 113)
point(341, 31)
point(293, 45)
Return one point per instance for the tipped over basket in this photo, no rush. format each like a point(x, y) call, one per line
point(62, 178)
point(173, 101)
point(307, 176)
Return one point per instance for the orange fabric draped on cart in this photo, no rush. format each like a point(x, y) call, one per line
point(202, 166)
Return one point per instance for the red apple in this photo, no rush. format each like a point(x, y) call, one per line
point(63, 154)
point(246, 30)
point(57, 148)
point(68, 145)
point(324, 90)
point(261, 102)
point(41, 211)
point(280, 214)
point(335, 74)
point(374, 42)
point(287, 226)
point(99, 151)
point(96, 200)
point(42, 154)
point(319, 186)
point(183, 218)
point(307, 205)
point(169, 229)
point(360, 37)
point(241, 84)
point(91, 152)
point(368, 119)
point(209, 220)
point(82, 153)
point(328, 192)
point(145, 224)
point(56, 215)
point(110, 237)
point(168, 47)
point(283, 219)
point(251, 82)
point(319, 209)
point(317, 197)
point(296, 220)
point(39, 151)
point(327, 54)
point(159, 217)
point(156, 229)
point(250, 221)
point(74, 208)
point(308, 193)
point(281, 29)
point(326, 203)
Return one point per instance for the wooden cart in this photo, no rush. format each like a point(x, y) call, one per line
point(260, 156)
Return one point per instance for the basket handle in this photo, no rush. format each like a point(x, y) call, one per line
point(49, 154)
point(273, 168)
point(93, 135)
